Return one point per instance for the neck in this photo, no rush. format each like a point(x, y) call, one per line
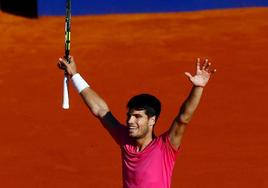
point(141, 143)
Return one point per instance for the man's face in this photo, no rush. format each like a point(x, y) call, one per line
point(139, 124)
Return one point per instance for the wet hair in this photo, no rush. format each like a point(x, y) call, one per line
point(147, 102)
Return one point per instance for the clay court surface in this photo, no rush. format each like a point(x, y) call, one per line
point(43, 146)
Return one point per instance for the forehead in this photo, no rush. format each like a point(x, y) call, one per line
point(135, 112)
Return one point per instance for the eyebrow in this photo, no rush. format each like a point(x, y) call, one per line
point(134, 114)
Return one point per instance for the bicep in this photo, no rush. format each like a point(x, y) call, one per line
point(176, 132)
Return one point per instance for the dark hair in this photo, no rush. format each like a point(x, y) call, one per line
point(147, 102)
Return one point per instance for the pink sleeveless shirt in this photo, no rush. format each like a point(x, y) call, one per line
point(150, 168)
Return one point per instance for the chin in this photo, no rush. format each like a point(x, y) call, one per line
point(133, 135)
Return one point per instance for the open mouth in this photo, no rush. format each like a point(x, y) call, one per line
point(131, 129)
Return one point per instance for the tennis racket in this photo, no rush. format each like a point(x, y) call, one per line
point(65, 104)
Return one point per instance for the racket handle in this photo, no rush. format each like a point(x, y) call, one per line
point(65, 103)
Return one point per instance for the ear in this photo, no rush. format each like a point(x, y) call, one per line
point(152, 121)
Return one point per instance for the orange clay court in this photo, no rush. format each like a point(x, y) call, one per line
point(44, 146)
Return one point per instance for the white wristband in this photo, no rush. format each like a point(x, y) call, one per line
point(79, 83)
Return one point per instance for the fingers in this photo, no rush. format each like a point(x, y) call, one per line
point(63, 61)
point(197, 64)
point(62, 64)
point(188, 75)
point(71, 58)
point(206, 66)
point(213, 71)
point(68, 66)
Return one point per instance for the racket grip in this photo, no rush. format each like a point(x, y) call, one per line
point(65, 103)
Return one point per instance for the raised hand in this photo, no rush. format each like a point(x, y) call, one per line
point(203, 73)
point(70, 68)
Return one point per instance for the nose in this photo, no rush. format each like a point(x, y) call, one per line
point(130, 119)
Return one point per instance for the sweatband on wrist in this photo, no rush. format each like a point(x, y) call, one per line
point(79, 83)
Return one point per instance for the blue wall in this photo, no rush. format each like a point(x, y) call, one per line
point(81, 7)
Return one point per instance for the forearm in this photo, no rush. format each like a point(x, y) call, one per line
point(94, 102)
point(190, 104)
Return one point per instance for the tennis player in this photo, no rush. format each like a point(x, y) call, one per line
point(147, 160)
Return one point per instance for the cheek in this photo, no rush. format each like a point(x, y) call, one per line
point(143, 125)
point(140, 122)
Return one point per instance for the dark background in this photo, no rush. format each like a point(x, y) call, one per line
point(27, 8)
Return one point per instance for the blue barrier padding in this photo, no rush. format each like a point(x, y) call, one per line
point(82, 7)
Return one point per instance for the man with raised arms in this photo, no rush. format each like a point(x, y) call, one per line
point(147, 160)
